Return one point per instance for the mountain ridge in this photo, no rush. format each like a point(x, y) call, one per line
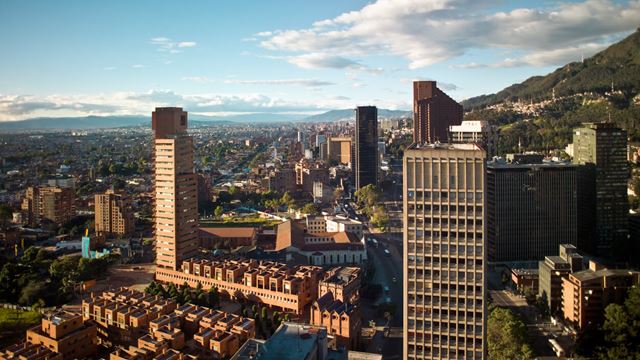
point(617, 66)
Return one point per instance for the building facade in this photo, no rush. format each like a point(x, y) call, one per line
point(176, 193)
point(604, 146)
point(476, 131)
point(339, 150)
point(66, 334)
point(366, 147)
point(270, 283)
point(586, 294)
point(113, 214)
point(531, 209)
point(444, 253)
point(433, 113)
point(48, 203)
point(552, 270)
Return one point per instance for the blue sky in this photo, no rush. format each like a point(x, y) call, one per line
point(74, 58)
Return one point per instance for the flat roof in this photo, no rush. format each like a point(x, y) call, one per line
point(290, 342)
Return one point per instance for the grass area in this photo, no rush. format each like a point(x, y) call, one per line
point(244, 221)
point(14, 323)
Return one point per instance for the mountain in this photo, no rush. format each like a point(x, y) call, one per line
point(254, 117)
point(106, 122)
point(619, 65)
point(349, 114)
point(73, 123)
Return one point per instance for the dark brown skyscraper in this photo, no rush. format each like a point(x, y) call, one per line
point(433, 113)
point(366, 146)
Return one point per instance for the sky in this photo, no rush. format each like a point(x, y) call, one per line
point(78, 58)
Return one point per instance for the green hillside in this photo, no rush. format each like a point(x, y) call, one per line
point(618, 64)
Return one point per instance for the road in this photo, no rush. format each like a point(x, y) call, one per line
point(539, 331)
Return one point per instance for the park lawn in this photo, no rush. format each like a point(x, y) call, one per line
point(14, 323)
point(245, 221)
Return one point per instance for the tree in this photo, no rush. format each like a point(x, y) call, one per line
point(507, 336)
point(32, 292)
point(218, 211)
point(263, 313)
point(5, 215)
point(621, 329)
point(337, 194)
point(214, 297)
point(367, 197)
point(380, 218)
point(310, 209)
point(287, 200)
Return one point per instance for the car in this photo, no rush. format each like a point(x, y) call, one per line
point(387, 253)
point(386, 289)
point(395, 280)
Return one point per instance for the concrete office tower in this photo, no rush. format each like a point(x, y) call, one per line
point(444, 254)
point(113, 214)
point(604, 146)
point(433, 113)
point(366, 146)
point(176, 193)
point(476, 131)
point(532, 208)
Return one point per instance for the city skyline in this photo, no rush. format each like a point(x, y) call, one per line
point(283, 58)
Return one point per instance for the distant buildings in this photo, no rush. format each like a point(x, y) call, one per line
point(604, 146)
point(283, 180)
point(532, 208)
point(48, 203)
point(113, 214)
point(176, 205)
point(444, 251)
point(366, 147)
point(433, 113)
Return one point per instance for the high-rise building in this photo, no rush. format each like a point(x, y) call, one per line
point(476, 131)
point(604, 146)
point(444, 253)
point(433, 113)
point(48, 203)
point(366, 146)
point(339, 150)
point(176, 193)
point(113, 214)
point(532, 208)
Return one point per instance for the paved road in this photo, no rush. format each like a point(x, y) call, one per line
point(539, 331)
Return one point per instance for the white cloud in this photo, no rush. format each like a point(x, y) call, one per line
point(17, 107)
point(198, 79)
point(299, 82)
point(137, 66)
point(109, 68)
point(184, 44)
point(426, 32)
point(167, 45)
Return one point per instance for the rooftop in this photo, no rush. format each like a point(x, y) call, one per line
point(290, 342)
